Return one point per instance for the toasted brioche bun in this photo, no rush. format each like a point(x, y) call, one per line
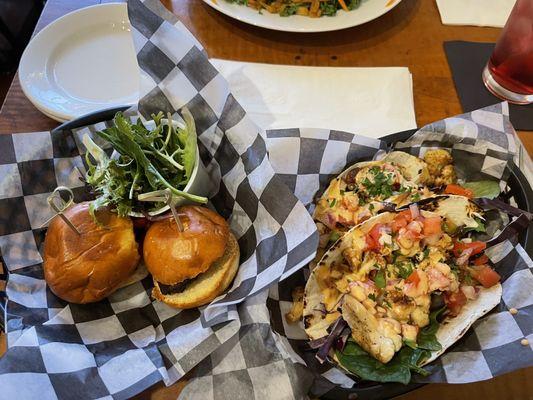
point(208, 285)
point(88, 267)
point(172, 256)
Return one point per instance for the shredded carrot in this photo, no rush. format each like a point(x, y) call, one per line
point(343, 5)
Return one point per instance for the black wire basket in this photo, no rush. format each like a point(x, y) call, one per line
point(518, 189)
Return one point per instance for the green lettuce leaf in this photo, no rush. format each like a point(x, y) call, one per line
point(487, 189)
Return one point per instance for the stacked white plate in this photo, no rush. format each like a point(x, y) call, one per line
point(82, 62)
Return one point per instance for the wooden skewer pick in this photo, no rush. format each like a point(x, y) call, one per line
point(173, 209)
point(166, 197)
point(62, 206)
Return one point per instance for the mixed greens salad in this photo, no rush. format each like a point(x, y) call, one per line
point(145, 160)
point(310, 8)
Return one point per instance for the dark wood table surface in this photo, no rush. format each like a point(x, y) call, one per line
point(410, 35)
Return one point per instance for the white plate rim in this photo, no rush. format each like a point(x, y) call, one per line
point(316, 29)
point(49, 112)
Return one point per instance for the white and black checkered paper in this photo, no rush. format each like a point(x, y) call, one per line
point(241, 343)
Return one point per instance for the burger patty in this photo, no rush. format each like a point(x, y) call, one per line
point(176, 288)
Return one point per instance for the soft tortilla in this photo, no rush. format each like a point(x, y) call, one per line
point(450, 330)
point(413, 168)
point(314, 322)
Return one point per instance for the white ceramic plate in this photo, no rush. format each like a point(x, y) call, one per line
point(367, 11)
point(82, 62)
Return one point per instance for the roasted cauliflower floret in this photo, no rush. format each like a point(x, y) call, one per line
point(446, 177)
point(437, 160)
point(440, 167)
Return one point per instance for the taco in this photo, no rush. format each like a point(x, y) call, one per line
point(368, 188)
point(387, 275)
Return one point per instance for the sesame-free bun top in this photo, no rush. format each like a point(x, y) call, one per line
point(172, 256)
point(89, 267)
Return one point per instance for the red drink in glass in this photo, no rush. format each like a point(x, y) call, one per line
point(509, 72)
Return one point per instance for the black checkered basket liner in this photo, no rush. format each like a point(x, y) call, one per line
point(265, 182)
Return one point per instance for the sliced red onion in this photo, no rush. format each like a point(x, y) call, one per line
point(316, 344)
point(336, 331)
point(388, 206)
point(469, 292)
point(415, 212)
point(342, 339)
point(385, 229)
point(465, 255)
point(323, 240)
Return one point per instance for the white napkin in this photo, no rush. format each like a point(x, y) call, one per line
point(367, 101)
point(475, 12)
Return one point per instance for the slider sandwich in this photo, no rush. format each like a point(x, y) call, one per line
point(193, 263)
point(88, 265)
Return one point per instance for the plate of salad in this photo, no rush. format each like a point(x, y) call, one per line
point(304, 15)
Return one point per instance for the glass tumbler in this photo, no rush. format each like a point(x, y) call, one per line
point(509, 72)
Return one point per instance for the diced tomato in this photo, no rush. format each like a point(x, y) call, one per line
point(485, 275)
point(414, 278)
point(401, 220)
point(459, 190)
point(432, 226)
point(477, 247)
point(371, 244)
point(375, 232)
point(481, 260)
point(455, 301)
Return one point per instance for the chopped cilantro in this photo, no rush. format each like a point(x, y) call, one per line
point(371, 207)
point(332, 203)
point(372, 296)
point(381, 185)
point(426, 253)
point(334, 236)
point(455, 269)
point(405, 269)
point(328, 9)
point(415, 197)
point(289, 10)
point(379, 279)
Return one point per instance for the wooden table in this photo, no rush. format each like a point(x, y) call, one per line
point(410, 35)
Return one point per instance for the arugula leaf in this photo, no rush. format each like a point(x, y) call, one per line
point(487, 189)
point(190, 145)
